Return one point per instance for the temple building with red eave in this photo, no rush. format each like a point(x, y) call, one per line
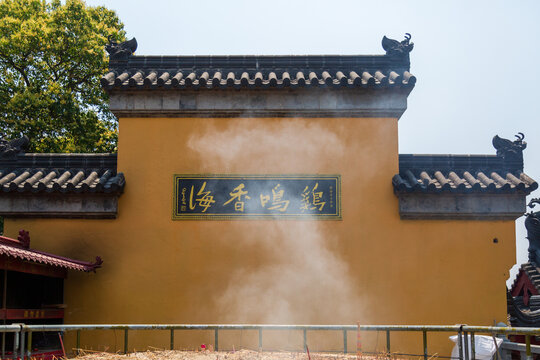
point(32, 286)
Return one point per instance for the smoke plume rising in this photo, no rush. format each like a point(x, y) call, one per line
point(303, 279)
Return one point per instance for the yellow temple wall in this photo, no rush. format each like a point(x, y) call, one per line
point(370, 267)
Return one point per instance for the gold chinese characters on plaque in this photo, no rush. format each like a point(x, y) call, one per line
point(212, 196)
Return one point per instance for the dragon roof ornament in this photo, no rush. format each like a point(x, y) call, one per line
point(120, 51)
point(508, 149)
point(398, 49)
point(10, 149)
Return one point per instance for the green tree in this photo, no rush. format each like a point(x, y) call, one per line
point(51, 59)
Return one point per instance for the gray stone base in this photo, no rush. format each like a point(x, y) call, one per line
point(461, 206)
point(90, 206)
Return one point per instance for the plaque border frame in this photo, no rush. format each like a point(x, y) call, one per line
point(309, 217)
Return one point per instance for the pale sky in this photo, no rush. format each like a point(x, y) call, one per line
point(477, 62)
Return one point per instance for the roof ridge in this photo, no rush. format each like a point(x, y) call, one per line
point(121, 55)
point(262, 62)
point(61, 160)
point(445, 162)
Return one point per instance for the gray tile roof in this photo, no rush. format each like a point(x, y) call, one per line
point(435, 181)
point(61, 173)
point(285, 78)
point(128, 71)
point(461, 174)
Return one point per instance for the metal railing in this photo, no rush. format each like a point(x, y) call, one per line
point(23, 334)
point(16, 330)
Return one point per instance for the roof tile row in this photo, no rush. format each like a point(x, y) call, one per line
point(217, 79)
point(434, 181)
point(61, 180)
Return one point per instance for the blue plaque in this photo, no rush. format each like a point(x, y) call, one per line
point(218, 197)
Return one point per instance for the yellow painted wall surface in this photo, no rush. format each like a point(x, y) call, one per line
point(371, 267)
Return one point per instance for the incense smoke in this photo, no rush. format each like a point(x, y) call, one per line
point(260, 146)
point(301, 279)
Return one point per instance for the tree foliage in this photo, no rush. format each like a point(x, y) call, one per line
point(51, 59)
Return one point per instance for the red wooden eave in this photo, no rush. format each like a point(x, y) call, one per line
point(15, 254)
point(524, 287)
